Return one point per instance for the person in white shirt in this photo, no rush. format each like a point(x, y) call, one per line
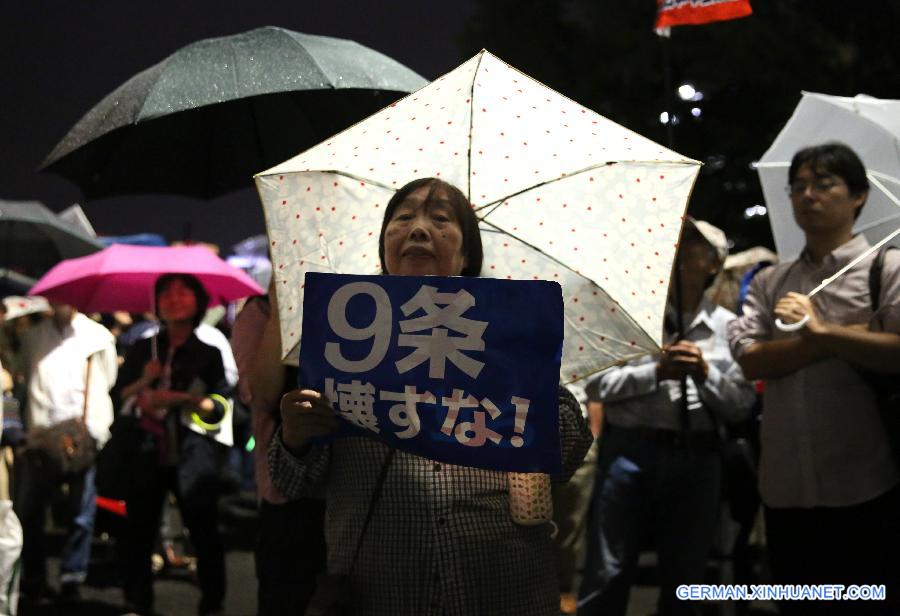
point(660, 467)
point(57, 352)
point(10, 531)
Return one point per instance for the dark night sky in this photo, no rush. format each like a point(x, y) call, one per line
point(61, 57)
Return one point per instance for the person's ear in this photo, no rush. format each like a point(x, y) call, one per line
point(860, 199)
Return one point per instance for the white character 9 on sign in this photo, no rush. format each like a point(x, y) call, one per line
point(379, 330)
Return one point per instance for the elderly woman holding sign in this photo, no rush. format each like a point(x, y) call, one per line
point(405, 534)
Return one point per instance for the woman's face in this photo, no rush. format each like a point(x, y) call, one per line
point(177, 302)
point(422, 240)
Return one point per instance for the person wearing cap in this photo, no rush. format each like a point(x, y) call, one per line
point(828, 477)
point(660, 469)
point(70, 362)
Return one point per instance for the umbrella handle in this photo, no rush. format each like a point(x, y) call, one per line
point(792, 327)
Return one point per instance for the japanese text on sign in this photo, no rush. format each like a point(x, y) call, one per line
point(434, 365)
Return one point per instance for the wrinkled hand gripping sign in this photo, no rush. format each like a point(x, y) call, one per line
point(460, 370)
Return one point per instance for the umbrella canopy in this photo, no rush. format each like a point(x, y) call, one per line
point(33, 239)
point(14, 283)
point(871, 127)
point(122, 277)
point(206, 118)
point(562, 194)
point(136, 239)
point(74, 216)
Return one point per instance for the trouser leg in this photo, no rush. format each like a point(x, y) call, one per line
point(571, 505)
point(836, 545)
point(144, 502)
point(687, 511)
point(32, 489)
point(290, 553)
point(618, 524)
point(198, 494)
point(76, 552)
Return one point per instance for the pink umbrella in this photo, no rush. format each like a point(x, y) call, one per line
point(122, 277)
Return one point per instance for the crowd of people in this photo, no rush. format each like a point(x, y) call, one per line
point(353, 523)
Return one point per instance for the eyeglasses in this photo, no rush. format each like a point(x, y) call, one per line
point(816, 187)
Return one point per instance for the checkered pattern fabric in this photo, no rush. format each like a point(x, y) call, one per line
point(440, 541)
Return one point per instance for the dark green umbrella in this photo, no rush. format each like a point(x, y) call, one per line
point(208, 117)
point(14, 283)
point(33, 239)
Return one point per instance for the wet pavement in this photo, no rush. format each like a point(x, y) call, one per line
point(177, 593)
point(176, 589)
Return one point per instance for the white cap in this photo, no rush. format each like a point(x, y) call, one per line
point(714, 236)
point(16, 306)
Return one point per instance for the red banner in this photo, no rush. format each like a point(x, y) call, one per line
point(694, 12)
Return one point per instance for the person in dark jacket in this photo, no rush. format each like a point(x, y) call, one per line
point(173, 388)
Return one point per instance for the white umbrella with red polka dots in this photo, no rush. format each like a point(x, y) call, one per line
point(562, 194)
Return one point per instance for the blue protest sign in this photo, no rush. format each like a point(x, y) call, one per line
point(459, 370)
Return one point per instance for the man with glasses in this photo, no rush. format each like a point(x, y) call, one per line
point(827, 476)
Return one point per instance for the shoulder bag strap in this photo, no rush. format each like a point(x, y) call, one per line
point(875, 277)
point(87, 385)
point(376, 494)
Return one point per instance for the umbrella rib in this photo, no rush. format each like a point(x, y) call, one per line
point(471, 128)
point(609, 163)
point(311, 58)
point(608, 338)
point(875, 223)
point(889, 195)
point(497, 229)
point(498, 202)
point(360, 178)
point(853, 263)
point(883, 176)
point(619, 361)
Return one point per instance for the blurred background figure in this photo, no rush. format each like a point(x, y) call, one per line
point(174, 389)
point(70, 365)
point(10, 528)
point(290, 546)
point(660, 468)
point(729, 289)
point(571, 506)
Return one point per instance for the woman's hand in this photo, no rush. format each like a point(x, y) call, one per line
point(152, 371)
point(157, 401)
point(305, 414)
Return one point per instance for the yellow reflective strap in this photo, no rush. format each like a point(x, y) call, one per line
point(195, 417)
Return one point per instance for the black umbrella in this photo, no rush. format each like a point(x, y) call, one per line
point(34, 239)
point(14, 283)
point(204, 120)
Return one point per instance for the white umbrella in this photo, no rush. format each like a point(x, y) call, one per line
point(871, 127)
point(562, 193)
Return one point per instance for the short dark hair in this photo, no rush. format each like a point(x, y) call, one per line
point(462, 208)
point(191, 282)
point(836, 159)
